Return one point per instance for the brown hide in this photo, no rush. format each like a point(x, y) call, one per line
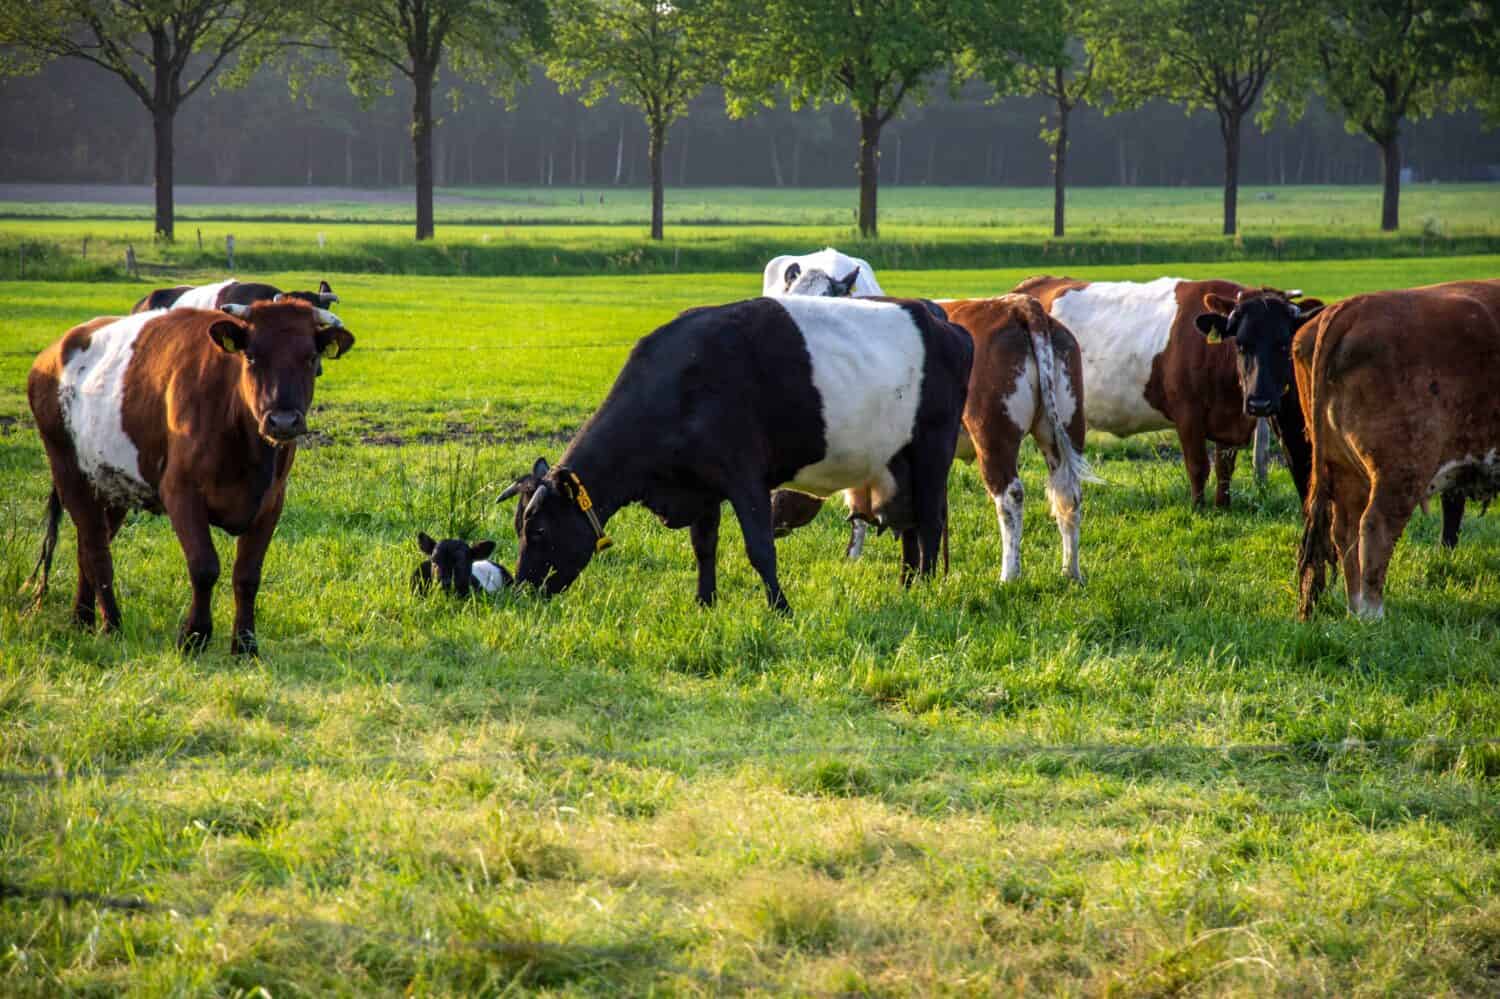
point(1395, 386)
point(1193, 383)
point(193, 411)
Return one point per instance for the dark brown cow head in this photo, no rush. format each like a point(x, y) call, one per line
point(558, 538)
point(1261, 324)
point(281, 347)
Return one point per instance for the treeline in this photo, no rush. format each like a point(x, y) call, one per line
point(73, 123)
point(1382, 65)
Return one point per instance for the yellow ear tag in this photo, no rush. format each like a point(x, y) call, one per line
point(332, 350)
point(1215, 337)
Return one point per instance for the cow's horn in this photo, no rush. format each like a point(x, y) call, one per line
point(238, 311)
point(1294, 293)
point(326, 318)
point(508, 492)
point(279, 296)
point(536, 499)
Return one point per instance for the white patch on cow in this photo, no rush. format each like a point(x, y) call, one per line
point(91, 393)
point(1008, 507)
point(487, 575)
point(828, 260)
point(867, 369)
point(1121, 327)
point(1485, 469)
point(1020, 405)
point(203, 297)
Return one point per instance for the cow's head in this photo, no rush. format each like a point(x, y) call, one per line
point(1261, 324)
point(817, 282)
point(280, 347)
point(523, 488)
point(323, 298)
point(557, 529)
point(450, 564)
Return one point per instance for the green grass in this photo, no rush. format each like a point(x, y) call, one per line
point(738, 229)
point(959, 788)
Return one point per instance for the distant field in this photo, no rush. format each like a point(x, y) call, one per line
point(1156, 783)
point(537, 231)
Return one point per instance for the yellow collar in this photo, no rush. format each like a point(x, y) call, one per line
point(566, 477)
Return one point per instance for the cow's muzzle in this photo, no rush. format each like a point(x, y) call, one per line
point(283, 425)
point(1259, 407)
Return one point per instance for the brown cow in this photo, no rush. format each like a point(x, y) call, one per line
point(1027, 378)
point(1147, 367)
point(190, 413)
point(1399, 392)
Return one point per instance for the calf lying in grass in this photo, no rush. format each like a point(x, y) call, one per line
point(458, 567)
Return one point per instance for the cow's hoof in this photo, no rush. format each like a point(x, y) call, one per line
point(192, 641)
point(244, 644)
point(82, 618)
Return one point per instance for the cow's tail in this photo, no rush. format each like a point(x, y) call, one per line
point(1065, 479)
point(43, 568)
point(1316, 552)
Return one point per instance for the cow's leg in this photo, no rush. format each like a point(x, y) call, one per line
point(1453, 518)
point(996, 445)
point(96, 567)
point(1195, 457)
point(705, 535)
point(861, 506)
point(87, 597)
point(1349, 501)
point(911, 555)
point(190, 523)
point(1384, 520)
point(752, 508)
point(249, 557)
point(1224, 459)
point(930, 462)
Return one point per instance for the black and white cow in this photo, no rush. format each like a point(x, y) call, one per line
point(784, 271)
point(730, 402)
point(230, 292)
point(458, 567)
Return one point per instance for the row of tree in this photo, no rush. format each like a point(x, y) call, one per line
point(1381, 63)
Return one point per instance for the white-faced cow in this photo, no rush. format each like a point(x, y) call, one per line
point(1147, 367)
point(458, 567)
point(230, 292)
point(195, 414)
point(1399, 392)
point(784, 271)
point(729, 402)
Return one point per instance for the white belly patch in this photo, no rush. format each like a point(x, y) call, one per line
point(91, 395)
point(1121, 327)
point(1472, 476)
point(867, 360)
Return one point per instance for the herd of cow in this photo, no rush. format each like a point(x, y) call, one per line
point(192, 406)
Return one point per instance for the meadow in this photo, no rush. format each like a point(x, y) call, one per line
point(1155, 783)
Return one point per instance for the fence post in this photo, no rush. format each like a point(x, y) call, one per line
point(229, 250)
point(85, 247)
point(200, 240)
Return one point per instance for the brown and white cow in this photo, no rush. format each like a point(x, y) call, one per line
point(1147, 367)
point(1400, 395)
point(186, 412)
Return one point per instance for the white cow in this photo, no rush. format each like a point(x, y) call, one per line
point(782, 271)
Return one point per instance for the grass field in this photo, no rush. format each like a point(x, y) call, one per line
point(518, 232)
point(1157, 783)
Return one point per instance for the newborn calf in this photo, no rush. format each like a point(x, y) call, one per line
point(458, 567)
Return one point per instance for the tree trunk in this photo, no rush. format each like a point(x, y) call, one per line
point(1060, 168)
point(421, 140)
point(1390, 203)
point(869, 174)
point(620, 155)
point(161, 124)
point(1229, 127)
point(658, 139)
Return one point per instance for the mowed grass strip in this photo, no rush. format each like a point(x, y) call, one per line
point(649, 796)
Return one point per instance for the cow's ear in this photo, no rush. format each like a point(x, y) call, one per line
point(425, 543)
point(483, 549)
point(793, 272)
point(539, 468)
point(231, 335)
point(846, 286)
point(1212, 325)
point(1218, 303)
point(334, 342)
point(325, 288)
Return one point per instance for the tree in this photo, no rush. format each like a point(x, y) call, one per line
point(147, 45)
point(655, 55)
point(874, 55)
point(1383, 61)
point(487, 40)
point(1214, 54)
point(1060, 67)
